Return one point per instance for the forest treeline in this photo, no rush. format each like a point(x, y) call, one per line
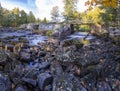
point(17, 17)
point(103, 13)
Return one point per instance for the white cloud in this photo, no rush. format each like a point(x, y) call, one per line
point(44, 7)
point(11, 6)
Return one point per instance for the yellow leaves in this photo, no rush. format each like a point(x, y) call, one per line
point(85, 41)
point(90, 8)
point(110, 3)
point(76, 14)
point(16, 10)
point(106, 3)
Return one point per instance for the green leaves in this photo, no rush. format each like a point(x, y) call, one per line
point(69, 9)
point(30, 17)
point(16, 17)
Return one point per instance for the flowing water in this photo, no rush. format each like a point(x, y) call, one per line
point(34, 39)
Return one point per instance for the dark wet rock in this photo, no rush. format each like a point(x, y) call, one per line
point(66, 54)
point(75, 67)
point(103, 86)
point(83, 57)
point(25, 56)
point(67, 82)
point(56, 68)
point(110, 68)
point(114, 83)
point(44, 79)
point(29, 81)
point(90, 80)
point(44, 65)
point(5, 84)
point(3, 57)
point(20, 88)
point(42, 54)
point(16, 74)
point(48, 88)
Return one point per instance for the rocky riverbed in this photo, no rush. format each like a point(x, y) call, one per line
point(52, 66)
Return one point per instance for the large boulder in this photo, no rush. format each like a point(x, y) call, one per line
point(25, 56)
point(64, 31)
point(5, 84)
point(20, 88)
point(44, 79)
point(67, 82)
point(23, 26)
point(103, 86)
point(3, 57)
point(32, 26)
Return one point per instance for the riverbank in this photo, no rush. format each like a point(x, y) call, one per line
point(49, 66)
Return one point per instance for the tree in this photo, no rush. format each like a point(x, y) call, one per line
point(111, 7)
point(30, 17)
point(1, 14)
point(23, 17)
point(106, 3)
point(37, 20)
point(69, 8)
point(109, 16)
point(44, 20)
point(15, 17)
point(55, 13)
point(16, 13)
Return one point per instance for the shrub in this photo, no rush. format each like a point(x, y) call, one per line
point(49, 33)
point(82, 28)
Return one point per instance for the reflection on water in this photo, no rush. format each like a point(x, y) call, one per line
point(36, 39)
point(14, 33)
point(80, 35)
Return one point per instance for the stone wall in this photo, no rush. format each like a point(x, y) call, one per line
point(41, 26)
point(49, 26)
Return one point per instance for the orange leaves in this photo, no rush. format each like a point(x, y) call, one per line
point(106, 3)
point(90, 7)
point(91, 2)
point(110, 3)
point(87, 3)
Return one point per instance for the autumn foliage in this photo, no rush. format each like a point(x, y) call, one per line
point(106, 3)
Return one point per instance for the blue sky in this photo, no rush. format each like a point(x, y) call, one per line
point(40, 8)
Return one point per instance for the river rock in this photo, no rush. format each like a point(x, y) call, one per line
point(23, 26)
point(103, 86)
point(3, 57)
point(67, 82)
point(30, 81)
point(5, 84)
point(42, 54)
point(64, 31)
point(44, 65)
point(48, 88)
point(25, 56)
point(20, 88)
point(44, 79)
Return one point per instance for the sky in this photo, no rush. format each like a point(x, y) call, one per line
point(40, 8)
